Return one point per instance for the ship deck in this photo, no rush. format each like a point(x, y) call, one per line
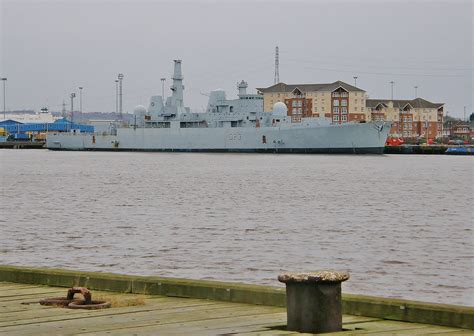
point(20, 314)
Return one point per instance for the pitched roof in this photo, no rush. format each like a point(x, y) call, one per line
point(461, 123)
point(401, 103)
point(283, 87)
point(9, 122)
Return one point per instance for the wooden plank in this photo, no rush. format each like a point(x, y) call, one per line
point(351, 319)
point(455, 333)
point(29, 291)
point(206, 327)
point(268, 333)
point(60, 314)
point(17, 306)
point(14, 312)
point(31, 298)
point(11, 285)
point(100, 323)
point(429, 330)
point(385, 327)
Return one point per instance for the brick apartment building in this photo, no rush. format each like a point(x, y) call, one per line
point(461, 130)
point(339, 101)
point(411, 118)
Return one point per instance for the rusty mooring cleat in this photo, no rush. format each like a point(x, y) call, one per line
point(70, 302)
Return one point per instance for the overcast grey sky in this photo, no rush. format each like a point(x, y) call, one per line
point(49, 48)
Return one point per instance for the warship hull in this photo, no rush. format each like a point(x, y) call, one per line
point(344, 138)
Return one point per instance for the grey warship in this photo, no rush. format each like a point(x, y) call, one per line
point(238, 125)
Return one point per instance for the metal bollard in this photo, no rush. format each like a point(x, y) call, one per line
point(313, 301)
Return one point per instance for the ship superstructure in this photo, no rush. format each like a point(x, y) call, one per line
point(237, 125)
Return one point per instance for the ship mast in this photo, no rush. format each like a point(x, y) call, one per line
point(177, 88)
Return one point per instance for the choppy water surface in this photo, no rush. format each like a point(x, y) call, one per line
point(402, 225)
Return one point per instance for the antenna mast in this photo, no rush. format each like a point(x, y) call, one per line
point(277, 66)
point(63, 112)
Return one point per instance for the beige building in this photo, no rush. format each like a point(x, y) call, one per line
point(339, 101)
point(411, 118)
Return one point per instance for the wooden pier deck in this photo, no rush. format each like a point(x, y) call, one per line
point(135, 314)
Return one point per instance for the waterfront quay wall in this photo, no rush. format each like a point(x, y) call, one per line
point(362, 305)
point(419, 149)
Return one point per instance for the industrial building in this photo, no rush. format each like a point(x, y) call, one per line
point(37, 131)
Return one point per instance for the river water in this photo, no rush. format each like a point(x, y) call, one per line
point(401, 225)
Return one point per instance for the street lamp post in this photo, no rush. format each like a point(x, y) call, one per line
point(120, 78)
point(392, 82)
point(4, 80)
point(355, 80)
point(116, 96)
point(416, 91)
point(73, 95)
point(80, 99)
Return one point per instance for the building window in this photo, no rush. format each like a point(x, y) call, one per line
point(336, 94)
point(344, 94)
point(335, 117)
point(300, 103)
point(294, 103)
point(335, 109)
point(344, 109)
point(344, 118)
point(344, 102)
point(315, 109)
point(322, 108)
point(335, 102)
point(355, 108)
